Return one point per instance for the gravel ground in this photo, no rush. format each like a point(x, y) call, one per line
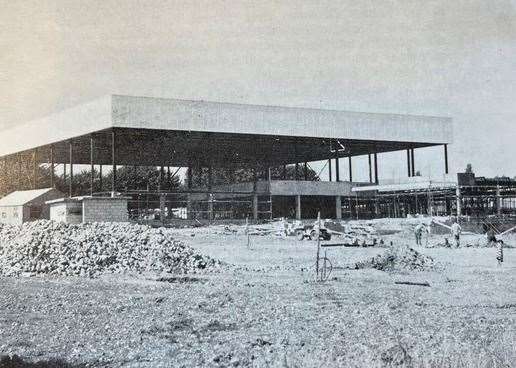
point(268, 312)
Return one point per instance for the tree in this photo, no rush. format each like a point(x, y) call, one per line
point(228, 176)
point(469, 169)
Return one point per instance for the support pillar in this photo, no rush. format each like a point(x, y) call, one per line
point(305, 171)
point(35, 169)
point(92, 168)
point(189, 174)
point(459, 202)
point(329, 170)
point(52, 167)
point(337, 169)
point(408, 164)
point(100, 178)
point(350, 170)
point(284, 172)
point(498, 201)
point(412, 162)
point(338, 207)
point(370, 168)
point(296, 172)
point(375, 168)
point(298, 207)
point(113, 162)
point(446, 159)
point(70, 181)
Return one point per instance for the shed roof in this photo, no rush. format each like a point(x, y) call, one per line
point(22, 197)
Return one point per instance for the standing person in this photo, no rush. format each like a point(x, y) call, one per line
point(499, 252)
point(418, 232)
point(456, 230)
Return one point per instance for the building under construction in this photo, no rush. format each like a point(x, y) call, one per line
point(201, 137)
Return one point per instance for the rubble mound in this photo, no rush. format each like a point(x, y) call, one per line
point(47, 247)
point(398, 258)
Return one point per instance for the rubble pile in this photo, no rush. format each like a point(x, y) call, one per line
point(91, 249)
point(398, 258)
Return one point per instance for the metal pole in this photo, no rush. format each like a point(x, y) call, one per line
point(446, 159)
point(329, 170)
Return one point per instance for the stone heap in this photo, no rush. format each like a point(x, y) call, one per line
point(47, 247)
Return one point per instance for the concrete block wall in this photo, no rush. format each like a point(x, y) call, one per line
point(66, 211)
point(104, 210)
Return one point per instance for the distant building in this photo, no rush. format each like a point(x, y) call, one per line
point(27, 205)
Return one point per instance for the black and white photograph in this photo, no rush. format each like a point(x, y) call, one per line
point(273, 183)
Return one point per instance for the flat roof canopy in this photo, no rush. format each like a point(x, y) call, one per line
point(153, 132)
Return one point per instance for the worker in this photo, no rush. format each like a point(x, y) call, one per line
point(456, 230)
point(418, 232)
point(499, 252)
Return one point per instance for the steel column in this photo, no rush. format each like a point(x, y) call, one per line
point(376, 168)
point(412, 162)
point(350, 169)
point(52, 184)
point(70, 181)
point(92, 167)
point(34, 169)
point(370, 168)
point(446, 159)
point(113, 161)
point(408, 164)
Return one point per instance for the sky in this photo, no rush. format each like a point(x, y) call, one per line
point(436, 57)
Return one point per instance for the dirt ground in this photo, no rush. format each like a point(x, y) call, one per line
point(267, 311)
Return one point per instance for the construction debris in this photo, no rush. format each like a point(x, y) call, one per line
point(46, 247)
point(398, 258)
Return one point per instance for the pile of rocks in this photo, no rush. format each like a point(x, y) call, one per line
point(91, 249)
point(398, 257)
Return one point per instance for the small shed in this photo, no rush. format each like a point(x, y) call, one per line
point(76, 210)
point(27, 205)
